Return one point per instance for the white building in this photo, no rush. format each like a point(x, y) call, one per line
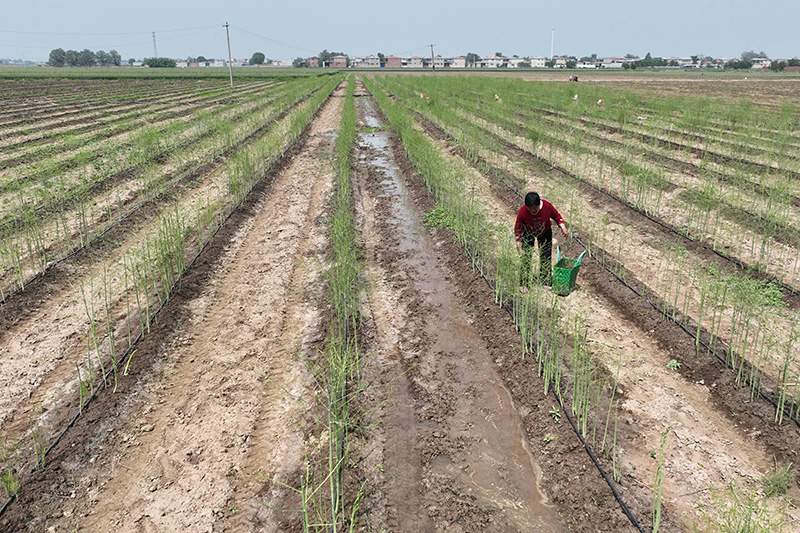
point(761, 62)
point(538, 62)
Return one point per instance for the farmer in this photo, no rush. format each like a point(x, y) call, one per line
point(533, 226)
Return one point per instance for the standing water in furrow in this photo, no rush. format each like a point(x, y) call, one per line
point(454, 443)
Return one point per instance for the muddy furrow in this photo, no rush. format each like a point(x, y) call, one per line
point(452, 453)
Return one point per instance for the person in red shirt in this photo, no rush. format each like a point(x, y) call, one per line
point(533, 227)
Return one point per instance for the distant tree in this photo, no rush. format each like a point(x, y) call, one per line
point(299, 62)
point(102, 58)
point(131, 61)
point(631, 56)
point(572, 63)
point(257, 58)
point(160, 62)
point(673, 63)
point(750, 55)
point(499, 54)
point(381, 59)
point(524, 64)
point(58, 58)
point(550, 63)
point(71, 58)
point(325, 58)
point(694, 60)
point(201, 59)
point(116, 59)
point(777, 66)
point(626, 66)
point(472, 59)
point(739, 64)
point(794, 62)
point(86, 58)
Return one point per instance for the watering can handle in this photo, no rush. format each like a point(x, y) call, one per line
point(580, 258)
point(558, 254)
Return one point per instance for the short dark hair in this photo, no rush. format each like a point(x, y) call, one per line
point(532, 199)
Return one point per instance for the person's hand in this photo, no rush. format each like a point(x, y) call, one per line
point(564, 230)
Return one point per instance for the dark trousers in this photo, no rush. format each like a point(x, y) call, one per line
point(545, 242)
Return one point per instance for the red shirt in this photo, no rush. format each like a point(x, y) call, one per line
point(531, 225)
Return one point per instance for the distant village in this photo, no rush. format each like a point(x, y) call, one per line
point(380, 61)
point(487, 62)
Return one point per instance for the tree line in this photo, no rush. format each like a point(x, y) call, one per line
point(85, 58)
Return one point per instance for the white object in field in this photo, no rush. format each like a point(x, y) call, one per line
point(600, 102)
point(575, 97)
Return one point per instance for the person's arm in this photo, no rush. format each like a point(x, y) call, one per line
point(556, 216)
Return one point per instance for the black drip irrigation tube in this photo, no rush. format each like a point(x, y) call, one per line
point(586, 446)
point(705, 345)
point(692, 334)
point(130, 351)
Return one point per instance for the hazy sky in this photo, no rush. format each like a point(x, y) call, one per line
point(29, 29)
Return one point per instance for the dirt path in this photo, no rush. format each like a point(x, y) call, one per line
point(221, 401)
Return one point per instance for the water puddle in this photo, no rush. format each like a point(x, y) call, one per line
point(500, 472)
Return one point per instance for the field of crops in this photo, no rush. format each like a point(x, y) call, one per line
point(295, 306)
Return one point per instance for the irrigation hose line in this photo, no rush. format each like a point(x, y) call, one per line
point(586, 446)
point(134, 343)
point(692, 334)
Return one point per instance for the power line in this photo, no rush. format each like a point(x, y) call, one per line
point(105, 34)
point(274, 40)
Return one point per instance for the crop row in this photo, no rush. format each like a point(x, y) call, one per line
point(122, 296)
point(70, 134)
point(36, 233)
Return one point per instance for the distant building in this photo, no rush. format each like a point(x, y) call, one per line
point(458, 62)
point(761, 62)
point(339, 62)
point(414, 62)
point(394, 62)
point(371, 62)
point(611, 62)
point(538, 62)
point(313, 62)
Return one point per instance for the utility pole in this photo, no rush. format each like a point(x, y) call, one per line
point(433, 65)
point(155, 48)
point(230, 61)
point(552, 40)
